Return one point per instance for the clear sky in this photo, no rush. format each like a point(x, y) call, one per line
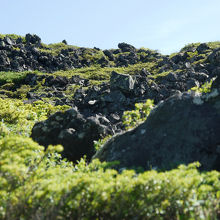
point(166, 25)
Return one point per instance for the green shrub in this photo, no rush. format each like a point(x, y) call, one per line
point(135, 117)
point(40, 185)
point(205, 88)
point(19, 118)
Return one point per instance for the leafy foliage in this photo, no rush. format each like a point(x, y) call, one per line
point(100, 142)
point(40, 185)
point(19, 118)
point(205, 88)
point(138, 115)
point(12, 77)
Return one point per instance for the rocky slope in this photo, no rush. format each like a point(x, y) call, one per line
point(98, 85)
point(29, 53)
point(182, 129)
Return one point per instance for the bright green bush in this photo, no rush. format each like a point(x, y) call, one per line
point(139, 114)
point(19, 118)
point(205, 88)
point(40, 185)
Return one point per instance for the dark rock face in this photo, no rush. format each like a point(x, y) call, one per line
point(75, 132)
point(32, 39)
point(123, 82)
point(202, 47)
point(183, 129)
point(126, 47)
point(214, 57)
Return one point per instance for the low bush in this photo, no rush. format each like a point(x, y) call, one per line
point(139, 114)
point(205, 88)
point(19, 118)
point(38, 184)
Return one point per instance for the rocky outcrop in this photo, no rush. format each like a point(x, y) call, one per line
point(29, 53)
point(75, 132)
point(182, 129)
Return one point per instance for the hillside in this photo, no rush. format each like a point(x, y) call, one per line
point(150, 118)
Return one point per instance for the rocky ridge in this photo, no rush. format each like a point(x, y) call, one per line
point(29, 53)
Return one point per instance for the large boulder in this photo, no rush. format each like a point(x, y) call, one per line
point(75, 132)
point(126, 47)
point(183, 129)
point(33, 39)
point(214, 57)
point(122, 82)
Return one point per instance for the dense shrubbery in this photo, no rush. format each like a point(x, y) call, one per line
point(19, 118)
point(39, 185)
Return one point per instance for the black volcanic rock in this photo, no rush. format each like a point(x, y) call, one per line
point(214, 57)
point(126, 47)
point(202, 47)
point(123, 82)
point(100, 107)
point(75, 132)
point(33, 39)
point(183, 129)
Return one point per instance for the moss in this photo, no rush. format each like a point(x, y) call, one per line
point(12, 77)
point(12, 36)
point(212, 45)
point(21, 92)
point(70, 91)
point(55, 49)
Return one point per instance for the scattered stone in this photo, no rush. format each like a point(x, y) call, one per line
point(65, 42)
point(33, 39)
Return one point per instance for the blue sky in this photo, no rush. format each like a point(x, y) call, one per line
point(166, 25)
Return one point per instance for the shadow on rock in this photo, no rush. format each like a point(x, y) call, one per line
point(184, 128)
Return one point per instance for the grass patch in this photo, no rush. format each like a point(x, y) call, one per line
point(12, 77)
point(12, 36)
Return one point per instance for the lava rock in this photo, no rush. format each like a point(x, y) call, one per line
point(126, 47)
point(122, 82)
point(202, 48)
point(75, 132)
point(181, 130)
point(214, 57)
point(9, 41)
point(33, 39)
point(109, 54)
